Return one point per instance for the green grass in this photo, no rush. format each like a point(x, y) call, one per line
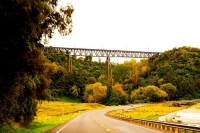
point(153, 117)
point(68, 99)
point(51, 114)
point(40, 127)
point(10, 128)
point(36, 127)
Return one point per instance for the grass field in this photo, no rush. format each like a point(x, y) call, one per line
point(51, 114)
point(153, 111)
point(150, 111)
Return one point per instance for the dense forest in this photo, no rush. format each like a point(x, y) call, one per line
point(172, 75)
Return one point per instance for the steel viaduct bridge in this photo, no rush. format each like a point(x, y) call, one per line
point(97, 53)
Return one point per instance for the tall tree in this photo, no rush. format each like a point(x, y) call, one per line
point(24, 73)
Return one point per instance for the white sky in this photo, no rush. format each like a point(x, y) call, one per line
point(138, 25)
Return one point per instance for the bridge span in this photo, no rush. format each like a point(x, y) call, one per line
point(98, 52)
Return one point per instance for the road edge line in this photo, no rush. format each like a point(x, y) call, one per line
point(66, 125)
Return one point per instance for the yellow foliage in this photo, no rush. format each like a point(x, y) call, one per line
point(138, 94)
point(130, 63)
point(47, 110)
point(151, 93)
point(95, 93)
point(119, 90)
point(90, 99)
point(196, 106)
point(150, 111)
point(143, 69)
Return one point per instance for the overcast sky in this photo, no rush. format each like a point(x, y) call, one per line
point(138, 25)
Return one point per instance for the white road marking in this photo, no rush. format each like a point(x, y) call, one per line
point(65, 125)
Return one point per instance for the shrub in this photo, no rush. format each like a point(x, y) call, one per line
point(176, 104)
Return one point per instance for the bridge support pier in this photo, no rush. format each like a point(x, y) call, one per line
point(108, 70)
point(69, 64)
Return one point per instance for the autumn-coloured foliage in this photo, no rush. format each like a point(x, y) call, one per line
point(95, 93)
point(150, 93)
point(118, 89)
point(48, 110)
point(164, 71)
point(150, 111)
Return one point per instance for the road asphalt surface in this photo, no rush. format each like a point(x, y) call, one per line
point(97, 122)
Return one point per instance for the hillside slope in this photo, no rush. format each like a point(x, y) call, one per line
point(179, 66)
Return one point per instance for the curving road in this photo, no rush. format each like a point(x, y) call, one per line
point(97, 122)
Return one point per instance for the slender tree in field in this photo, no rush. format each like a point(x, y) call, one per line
point(24, 70)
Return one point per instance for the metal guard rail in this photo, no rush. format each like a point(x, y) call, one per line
point(171, 127)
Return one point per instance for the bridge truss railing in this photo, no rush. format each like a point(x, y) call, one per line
point(99, 52)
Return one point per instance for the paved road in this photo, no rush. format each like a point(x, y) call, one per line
point(97, 122)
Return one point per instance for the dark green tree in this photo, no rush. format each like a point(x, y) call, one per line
point(170, 89)
point(24, 73)
point(180, 67)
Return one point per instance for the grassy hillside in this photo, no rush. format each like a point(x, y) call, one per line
point(180, 67)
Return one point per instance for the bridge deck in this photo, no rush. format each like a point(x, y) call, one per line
point(98, 52)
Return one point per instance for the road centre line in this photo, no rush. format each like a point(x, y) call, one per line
point(104, 126)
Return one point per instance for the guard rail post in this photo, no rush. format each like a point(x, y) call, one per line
point(149, 124)
point(186, 131)
point(159, 126)
point(173, 129)
point(163, 127)
point(168, 128)
point(156, 125)
point(179, 130)
point(153, 125)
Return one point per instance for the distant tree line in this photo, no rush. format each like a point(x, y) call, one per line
point(172, 75)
